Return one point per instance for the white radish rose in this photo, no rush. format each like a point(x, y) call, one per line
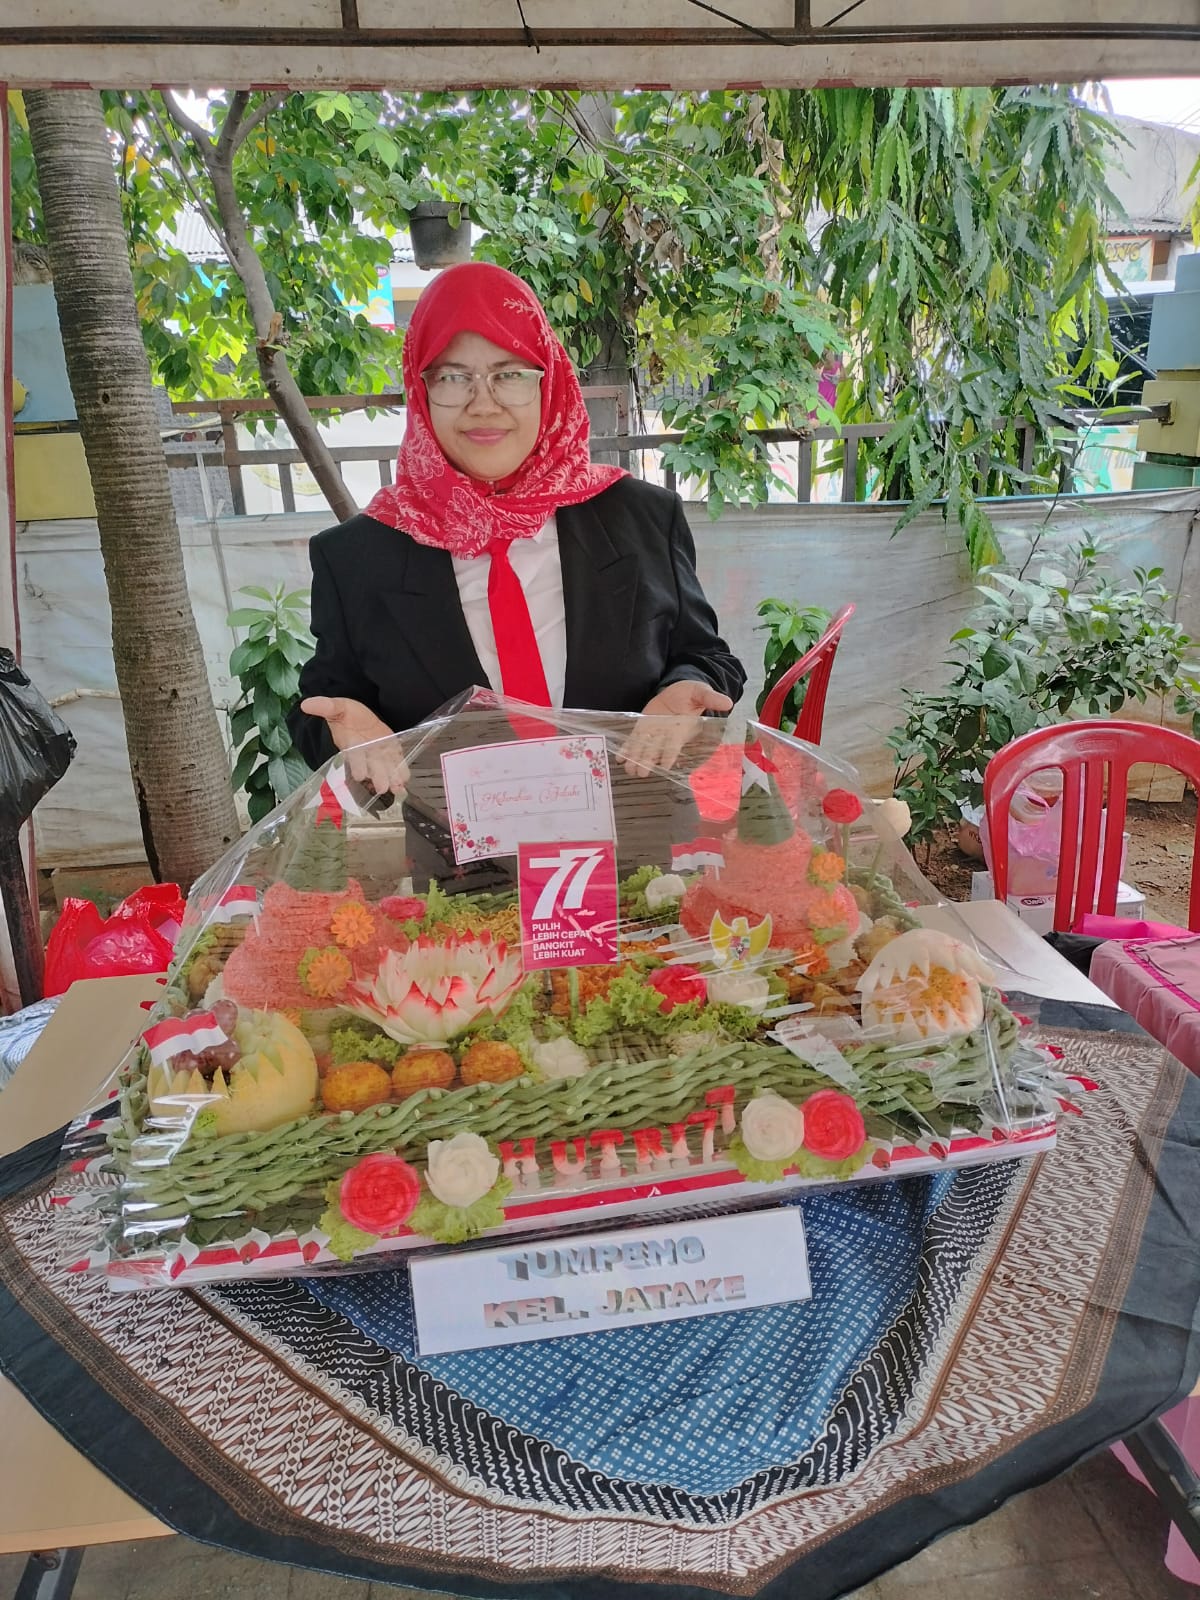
point(748, 989)
point(896, 814)
point(461, 1170)
point(665, 890)
point(772, 1128)
point(560, 1058)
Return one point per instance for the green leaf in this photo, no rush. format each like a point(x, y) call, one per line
point(244, 617)
point(240, 723)
point(282, 676)
point(244, 765)
point(247, 656)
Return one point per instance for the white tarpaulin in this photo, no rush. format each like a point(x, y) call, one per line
point(912, 592)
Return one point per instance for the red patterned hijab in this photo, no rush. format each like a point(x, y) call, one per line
point(431, 499)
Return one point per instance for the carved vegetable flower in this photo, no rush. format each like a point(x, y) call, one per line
point(833, 1125)
point(896, 814)
point(826, 867)
point(461, 1170)
point(664, 890)
point(560, 1058)
point(379, 1193)
point(677, 986)
point(403, 908)
point(842, 805)
point(437, 988)
point(325, 973)
point(772, 1128)
point(739, 988)
point(352, 925)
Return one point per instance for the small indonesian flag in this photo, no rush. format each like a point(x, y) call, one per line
point(699, 853)
point(240, 901)
point(755, 767)
point(333, 799)
point(195, 1033)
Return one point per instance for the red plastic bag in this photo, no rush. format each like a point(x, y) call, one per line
point(138, 937)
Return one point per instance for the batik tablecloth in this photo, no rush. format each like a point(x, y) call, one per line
point(969, 1335)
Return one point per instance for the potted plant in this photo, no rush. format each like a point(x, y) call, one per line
point(440, 233)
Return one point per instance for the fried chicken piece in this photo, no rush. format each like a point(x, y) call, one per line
point(869, 944)
point(826, 999)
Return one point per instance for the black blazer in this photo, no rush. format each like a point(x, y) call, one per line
point(390, 628)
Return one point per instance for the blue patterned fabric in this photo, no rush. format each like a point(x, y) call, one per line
point(705, 1403)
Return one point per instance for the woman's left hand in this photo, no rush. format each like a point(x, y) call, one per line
point(673, 716)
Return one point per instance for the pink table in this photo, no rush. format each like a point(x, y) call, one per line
point(1158, 984)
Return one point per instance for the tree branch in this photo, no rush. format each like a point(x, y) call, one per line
point(189, 125)
point(259, 115)
point(177, 155)
point(227, 139)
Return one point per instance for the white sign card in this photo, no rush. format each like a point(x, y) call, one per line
point(589, 1283)
point(530, 791)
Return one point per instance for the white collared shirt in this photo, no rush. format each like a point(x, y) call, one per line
point(538, 567)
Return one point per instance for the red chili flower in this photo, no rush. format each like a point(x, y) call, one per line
point(379, 1193)
point(678, 985)
point(833, 1125)
point(840, 805)
point(403, 908)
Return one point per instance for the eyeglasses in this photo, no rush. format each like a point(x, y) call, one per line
point(511, 386)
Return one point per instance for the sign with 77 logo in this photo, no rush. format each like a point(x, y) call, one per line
point(568, 901)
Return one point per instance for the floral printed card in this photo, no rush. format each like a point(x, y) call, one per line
point(530, 791)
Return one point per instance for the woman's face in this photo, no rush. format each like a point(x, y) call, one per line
point(485, 439)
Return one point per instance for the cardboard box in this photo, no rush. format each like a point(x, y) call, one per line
point(1037, 911)
point(82, 1045)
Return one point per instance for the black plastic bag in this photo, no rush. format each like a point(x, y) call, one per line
point(1078, 948)
point(36, 746)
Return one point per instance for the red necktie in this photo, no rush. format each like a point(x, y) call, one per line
point(522, 674)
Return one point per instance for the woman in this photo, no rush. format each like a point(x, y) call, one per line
point(502, 556)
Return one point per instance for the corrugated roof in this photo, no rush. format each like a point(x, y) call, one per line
point(198, 242)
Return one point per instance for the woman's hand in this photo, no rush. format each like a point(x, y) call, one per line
point(675, 714)
point(354, 727)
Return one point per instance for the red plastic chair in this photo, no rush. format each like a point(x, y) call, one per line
point(1094, 758)
point(717, 783)
point(817, 665)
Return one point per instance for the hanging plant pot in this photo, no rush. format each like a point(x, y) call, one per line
point(436, 241)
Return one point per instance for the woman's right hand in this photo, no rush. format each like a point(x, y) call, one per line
point(353, 725)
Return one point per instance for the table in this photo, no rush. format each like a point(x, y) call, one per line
point(1167, 1006)
point(453, 1528)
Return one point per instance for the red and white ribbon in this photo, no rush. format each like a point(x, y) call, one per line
point(333, 799)
point(690, 857)
point(195, 1033)
point(755, 767)
point(240, 901)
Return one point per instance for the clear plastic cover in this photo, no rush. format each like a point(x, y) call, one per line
point(547, 982)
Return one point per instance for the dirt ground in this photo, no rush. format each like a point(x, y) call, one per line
point(1159, 861)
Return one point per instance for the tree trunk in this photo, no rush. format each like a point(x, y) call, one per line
point(179, 765)
point(609, 368)
point(282, 388)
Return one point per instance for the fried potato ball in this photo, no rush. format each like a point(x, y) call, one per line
point(355, 1086)
point(490, 1061)
point(423, 1069)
